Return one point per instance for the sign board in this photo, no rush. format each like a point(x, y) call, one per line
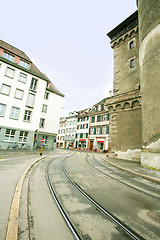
point(42, 140)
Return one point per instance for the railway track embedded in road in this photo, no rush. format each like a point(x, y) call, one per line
point(76, 232)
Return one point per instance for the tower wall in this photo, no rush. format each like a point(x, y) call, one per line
point(149, 60)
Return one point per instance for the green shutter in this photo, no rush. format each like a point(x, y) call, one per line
point(89, 131)
point(100, 129)
point(101, 118)
point(86, 135)
point(83, 126)
point(87, 125)
point(107, 116)
point(107, 129)
point(94, 130)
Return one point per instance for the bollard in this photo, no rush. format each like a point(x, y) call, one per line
point(41, 151)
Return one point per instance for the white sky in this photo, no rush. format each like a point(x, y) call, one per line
point(66, 39)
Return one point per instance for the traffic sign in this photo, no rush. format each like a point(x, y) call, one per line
point(42, 140)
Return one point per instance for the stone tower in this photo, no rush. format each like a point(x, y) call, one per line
point(149, 63)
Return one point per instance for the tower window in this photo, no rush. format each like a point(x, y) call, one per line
point(131, 45)
point(132, 63)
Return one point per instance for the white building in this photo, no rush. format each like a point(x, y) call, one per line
point(30, 105)
point(99, 131)
point(81, 141)
point(61, 133)
point(71, 124)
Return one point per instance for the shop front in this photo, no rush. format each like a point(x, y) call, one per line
point(82, 143)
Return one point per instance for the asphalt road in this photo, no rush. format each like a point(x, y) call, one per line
point(133, 200)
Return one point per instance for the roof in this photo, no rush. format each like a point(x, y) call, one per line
point(124, 26)
point(32, 70)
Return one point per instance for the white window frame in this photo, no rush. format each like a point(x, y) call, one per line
point(46, 95)
point(42, 122)
point(27, 116)
point(14, 114)
point(33, 85)
point(2, 90)
point(23, 137)
point(20, 93)
point(8, 56)
point(44, 108)
point(22, 77)
point(10, 136)
point(2, 109)
point(30, 102)
point(11, 73)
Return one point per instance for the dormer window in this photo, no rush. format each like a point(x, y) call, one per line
point(24, 64)
point(8, 56)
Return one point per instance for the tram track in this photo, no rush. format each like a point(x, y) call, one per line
point(124, 183)
point(126, 229)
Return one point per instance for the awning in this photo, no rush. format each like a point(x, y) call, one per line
point(100, 141)
point(82, 140)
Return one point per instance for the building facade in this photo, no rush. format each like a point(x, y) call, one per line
point(99, 128)
point(149, 51)
point(60, 141)
point(30, 105)
point(125, 105)
point(70, 134)
point(81, 140)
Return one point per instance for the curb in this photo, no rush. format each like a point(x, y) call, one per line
point(132, 172)
point(12, 229)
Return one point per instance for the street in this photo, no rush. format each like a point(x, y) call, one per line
point(98, 200)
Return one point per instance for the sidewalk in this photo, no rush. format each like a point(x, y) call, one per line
point(135, 168)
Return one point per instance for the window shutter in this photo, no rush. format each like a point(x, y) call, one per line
point(101, 118)
point(101, 130)
point(87, 125)
point(89, 131)
point(94, 130)
point(83, 126)
point(86, 135)
point(107, 129)
point(107, 116)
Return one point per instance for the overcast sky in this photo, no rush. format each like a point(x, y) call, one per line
point(66, 39)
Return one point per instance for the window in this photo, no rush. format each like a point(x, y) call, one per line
point(81, 135)
point(19, 93)
point(92, 130)
point(23, 136)
point(2, 109)
point(8, 56)
point(98, 130)
point(14, 113)
point(44, 108)
point(30, 100)
point(102, 107)
point(93, 119)
point(33, 85)
point(99, 108)
point(99, 118)
point(42, 123)
point(5, 89)
point(27, 116)
point(22, 78)
point(104, 130)
point(10, 72)
point(9, 135)
point(131, 45)
point(46, 95)
point(106, 117)
point(24, 64)
point(132, 64)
